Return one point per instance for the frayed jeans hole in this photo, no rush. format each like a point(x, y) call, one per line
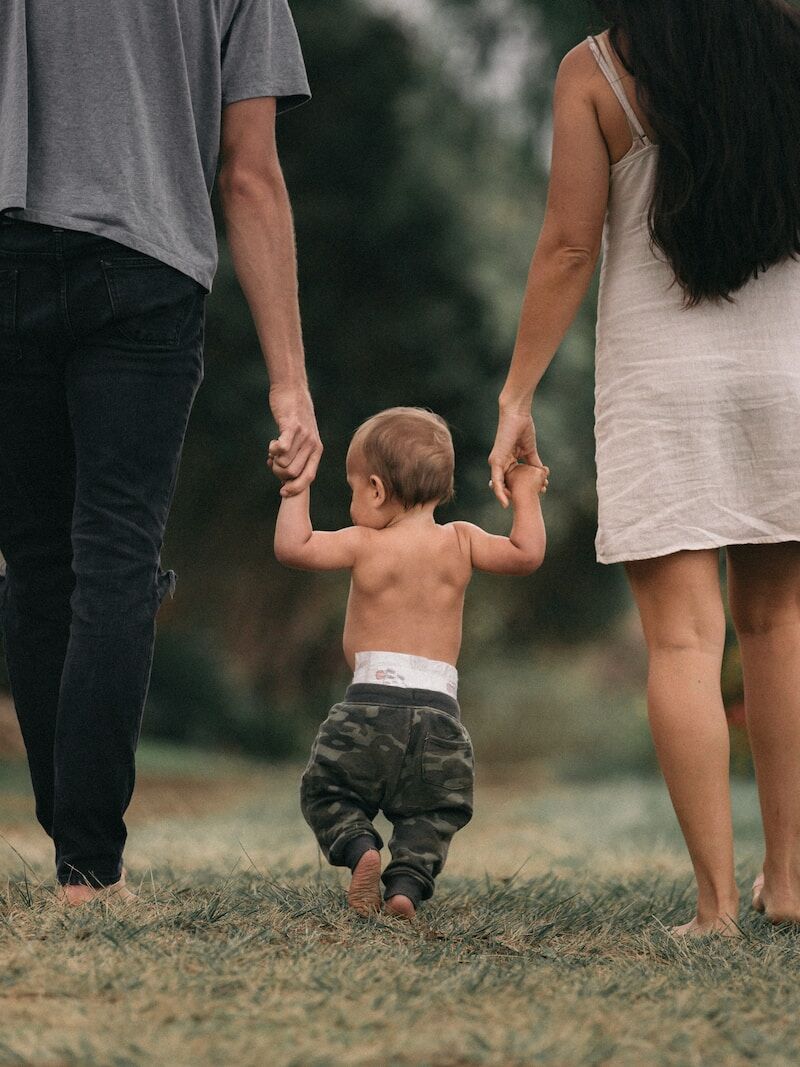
point(166, 584)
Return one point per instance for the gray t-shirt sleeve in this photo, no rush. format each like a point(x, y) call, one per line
point(261, 55)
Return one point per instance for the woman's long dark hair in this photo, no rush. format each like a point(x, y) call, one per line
point(719, 81)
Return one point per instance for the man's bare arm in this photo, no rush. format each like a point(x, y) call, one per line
point(258, 220)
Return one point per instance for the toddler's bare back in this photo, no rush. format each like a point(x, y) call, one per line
point(407, 592)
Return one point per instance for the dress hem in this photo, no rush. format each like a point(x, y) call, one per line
point(624, 557)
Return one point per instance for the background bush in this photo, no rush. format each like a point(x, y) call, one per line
point(418, 176)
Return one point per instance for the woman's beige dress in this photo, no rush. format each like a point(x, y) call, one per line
point(697, 410)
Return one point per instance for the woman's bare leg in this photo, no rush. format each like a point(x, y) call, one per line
point(764, 586)
point(682, 613)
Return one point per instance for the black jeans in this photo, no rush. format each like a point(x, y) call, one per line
point(100, 360)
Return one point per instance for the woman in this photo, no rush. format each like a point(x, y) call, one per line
point(678, 131)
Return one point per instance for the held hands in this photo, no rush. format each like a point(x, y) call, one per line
point(523, 480)
point(515, 442)
point(294, 457)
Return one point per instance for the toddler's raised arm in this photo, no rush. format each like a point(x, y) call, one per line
point(298, 545)
point(522, 552)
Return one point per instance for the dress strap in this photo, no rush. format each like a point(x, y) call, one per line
point(602, 54)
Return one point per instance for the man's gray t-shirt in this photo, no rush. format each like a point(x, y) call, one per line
point(110, 112)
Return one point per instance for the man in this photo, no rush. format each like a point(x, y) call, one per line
point(113, 119)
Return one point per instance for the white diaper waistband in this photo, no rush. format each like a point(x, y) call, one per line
point(406, 672)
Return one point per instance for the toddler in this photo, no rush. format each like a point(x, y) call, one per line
point(396, 742)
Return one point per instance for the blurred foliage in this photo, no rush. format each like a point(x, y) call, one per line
point(417, 205)
point(576, 710)
point(416, 212)
point(194, 700)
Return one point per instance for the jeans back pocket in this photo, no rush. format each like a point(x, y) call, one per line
point(10, 347)
point(153, 305)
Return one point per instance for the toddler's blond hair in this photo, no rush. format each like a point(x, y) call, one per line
point(411, 451)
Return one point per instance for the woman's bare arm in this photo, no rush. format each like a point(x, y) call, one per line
point(565, 257)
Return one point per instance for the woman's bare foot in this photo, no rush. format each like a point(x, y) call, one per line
point(722, 926)
point(76, 895)
point(778, 907)
point(400, 907)
point(364, 894)
point(758, 893)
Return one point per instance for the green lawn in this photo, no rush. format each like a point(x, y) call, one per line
point(545, 943)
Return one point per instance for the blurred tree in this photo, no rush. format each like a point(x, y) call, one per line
point(557, 27)
point(416, 211)
point(417, 203)
point(392, 315)
point(581, 608)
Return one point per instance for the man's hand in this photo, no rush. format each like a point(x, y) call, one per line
point(524, 479)
point(294, 456)
point(515, 441)
point(258, 220)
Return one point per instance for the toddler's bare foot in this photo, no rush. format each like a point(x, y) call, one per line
point(76, 895)
point(722, 926)
point(364, 894)
point(400, 907)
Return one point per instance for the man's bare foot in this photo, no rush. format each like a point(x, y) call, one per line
point(364, 894)
point(76, 895)
point(400, 907)
point(722, 926)
point(758, 893)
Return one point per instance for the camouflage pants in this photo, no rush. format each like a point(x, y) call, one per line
point(385, 749)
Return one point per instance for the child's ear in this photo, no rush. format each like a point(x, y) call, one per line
point(377, 490)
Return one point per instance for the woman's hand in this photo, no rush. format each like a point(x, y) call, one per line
point(525, 479)
point(515, 442)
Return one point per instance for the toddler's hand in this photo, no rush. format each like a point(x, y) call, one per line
point(280, 473)
point(525, 478)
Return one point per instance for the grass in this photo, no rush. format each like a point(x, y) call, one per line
point(546, 942)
